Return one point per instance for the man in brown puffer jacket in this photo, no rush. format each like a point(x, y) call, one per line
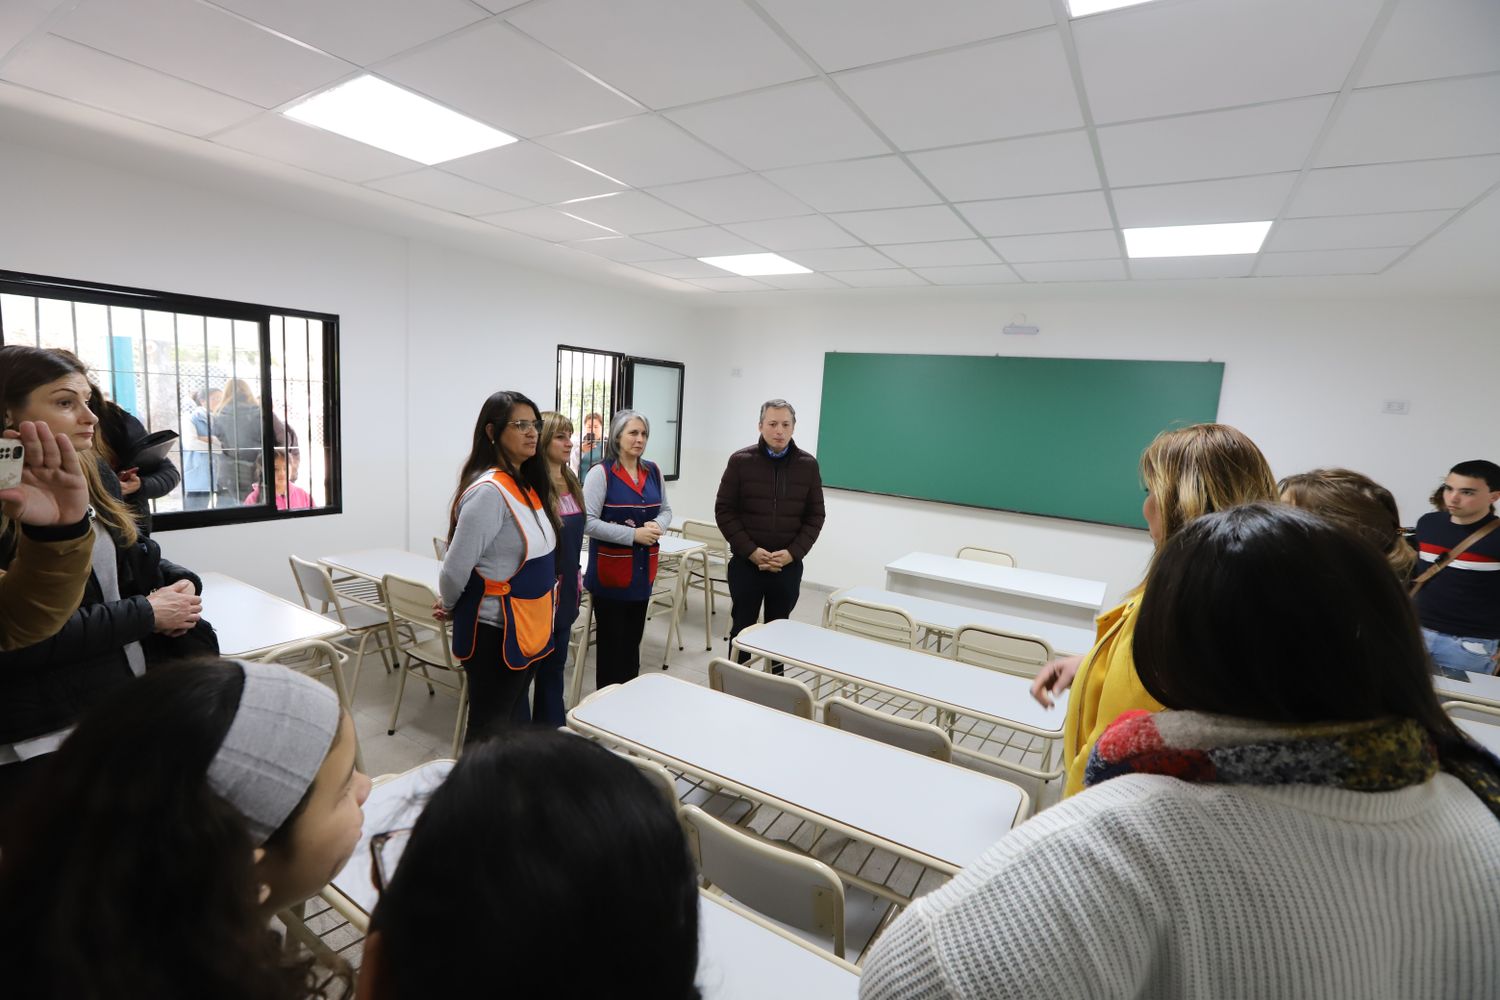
point(770, 508)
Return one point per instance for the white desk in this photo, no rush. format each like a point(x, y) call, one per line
point(1026, 593)
point(743, 957)
point(251, 622)
point(958, 689)
point(1482, 689)
point(1486, 735)
point(938, 815)
point(947, 619)
point(374, 564)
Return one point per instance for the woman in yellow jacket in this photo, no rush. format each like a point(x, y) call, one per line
point(1188, 472)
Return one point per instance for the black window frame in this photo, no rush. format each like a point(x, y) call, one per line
point(622, 388)
point(124, 296)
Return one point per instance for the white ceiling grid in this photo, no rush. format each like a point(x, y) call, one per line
point(880, 143)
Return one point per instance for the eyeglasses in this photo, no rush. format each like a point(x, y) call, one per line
point(385, 852)
point(526, 425)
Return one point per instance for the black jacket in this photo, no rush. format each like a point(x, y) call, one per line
point(156, 481)
point(770, 503)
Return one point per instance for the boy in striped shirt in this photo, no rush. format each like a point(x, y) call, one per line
point(1460, 604)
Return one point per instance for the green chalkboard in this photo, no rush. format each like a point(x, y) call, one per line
point(1060, 437)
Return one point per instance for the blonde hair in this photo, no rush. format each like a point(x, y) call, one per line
point(553, 424)
point(1355, 502)
point(1197, 470)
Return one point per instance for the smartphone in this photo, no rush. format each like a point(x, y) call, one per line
point(123, 473)
point(12, 460)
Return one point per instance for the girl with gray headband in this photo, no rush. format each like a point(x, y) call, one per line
point(175, 820)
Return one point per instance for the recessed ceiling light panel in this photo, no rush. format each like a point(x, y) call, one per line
point(367, 109)
point(1196, 241)
point(753, 264)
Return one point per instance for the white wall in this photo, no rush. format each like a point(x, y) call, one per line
point(1306, 379)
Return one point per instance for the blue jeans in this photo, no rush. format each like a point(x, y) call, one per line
point(1461, 653)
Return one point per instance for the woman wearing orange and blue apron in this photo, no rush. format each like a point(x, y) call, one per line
point(626, 511)
point(499, 580)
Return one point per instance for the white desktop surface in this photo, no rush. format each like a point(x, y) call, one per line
point(949, 618)
point(249, 620)
point(1071, 591)
point(738, 959)
point(1481, 688)
point(939, 814)
point(973, 690)
point(393, 804)
point(373, 564)
point(1486, 735)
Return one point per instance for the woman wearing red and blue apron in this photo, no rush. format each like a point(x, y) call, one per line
point(627, 510)
point(499, 580)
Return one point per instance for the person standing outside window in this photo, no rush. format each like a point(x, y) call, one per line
point(770, 508)
point(1457, 582)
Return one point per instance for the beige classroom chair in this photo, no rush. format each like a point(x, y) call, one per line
point(1471, 711)
point(780, 693)
point(661, 779)
point(316, 657)
point(440, 547)
point(788, 887)
point(707, 570)
point(908, 734)
point(880, 622)
point(993, 556)
point(410, 606)
point(1008, 652)
point(361, 622)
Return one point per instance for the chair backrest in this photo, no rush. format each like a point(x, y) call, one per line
point(880, 622)
point(314, 584)
point(708, 533)
point(1010, 652)
point(1473, 712)
point(987, 555)
point(440, 546)
point(661, 779)
point(780, 693)
point(792, 888)
point(410, 601)
point(908, 734)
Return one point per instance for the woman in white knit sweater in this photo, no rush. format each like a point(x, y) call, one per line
point(1303, 821)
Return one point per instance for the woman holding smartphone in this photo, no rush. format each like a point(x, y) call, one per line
point(626, 507)
point(498, 581)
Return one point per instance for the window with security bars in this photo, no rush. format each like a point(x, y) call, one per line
point(593, 385)
point(250, 391)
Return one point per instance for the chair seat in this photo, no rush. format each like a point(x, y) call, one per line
point(431, 650)
point(358, 617)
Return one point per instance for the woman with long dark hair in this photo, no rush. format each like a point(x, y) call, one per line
point(1303, 820)
point(499, 577)
point(544, 866)
point(178, 817)
point(134, 602)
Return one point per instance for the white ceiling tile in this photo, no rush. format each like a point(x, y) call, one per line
point(453, 194)
point(499, 6)
point(1266, 139)
point(497, 76)
point(57, 66)
point(840, 34)
point(19, 18)
point(1053, 213)
point(623, 249)
point(1395, 187)
point(942, 254)
point(362, 31)
point(1466, 254)
point(666, 52)
point(1058, 246)
point(528, 170)
point(1415, 121)
point(795, 281)
point(631, 212)
point(546, 223)
point(842, 259)
point(1235, 265)
point(642, 151)
point(980, 274)
point(728, 284)
point(744, 198)
point(681, 267)
point(1326, 262)
point(205, 45)
point(905, 225)
point(801, 123)
point(1214, 55)
point(809, 232)
point(1073, 270)
point(1343, 232)
point(880, 279)
point(1011, 87)
point(855, 185)
point(278, 138)
point(1432, 38)
point(704, 241)
point(1240, 199)
point(1048, 164)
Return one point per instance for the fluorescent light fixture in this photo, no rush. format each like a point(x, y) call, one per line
point(1083, 8)
point(369, 110)
point(1196, 241)
point(752, 264)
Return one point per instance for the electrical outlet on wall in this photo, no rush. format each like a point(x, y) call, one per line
point(1399, 407)
point(736, 372)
